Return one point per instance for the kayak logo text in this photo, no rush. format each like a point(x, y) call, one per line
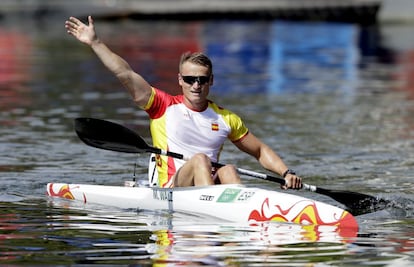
point(234, 194)
point(206, 198)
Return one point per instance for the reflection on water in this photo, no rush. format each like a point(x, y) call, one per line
point(318, 93)
point(65, 233)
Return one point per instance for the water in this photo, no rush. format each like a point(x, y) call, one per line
point(335, 100)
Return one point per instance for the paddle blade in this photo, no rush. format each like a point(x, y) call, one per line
point(108, 135)
point(356, 203)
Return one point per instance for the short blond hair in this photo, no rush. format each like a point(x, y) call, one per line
point(196, 58)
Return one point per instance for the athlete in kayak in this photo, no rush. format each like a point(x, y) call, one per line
point(189, 123)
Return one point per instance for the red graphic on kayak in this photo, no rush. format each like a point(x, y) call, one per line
point(303, 212)
point(64, 192)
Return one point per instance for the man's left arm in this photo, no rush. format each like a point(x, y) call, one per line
point(269, 159)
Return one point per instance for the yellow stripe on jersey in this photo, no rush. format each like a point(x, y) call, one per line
point(150, 100)
point(159, 138)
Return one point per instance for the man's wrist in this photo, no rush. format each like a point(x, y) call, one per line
point(95, 42)
point(288, 171)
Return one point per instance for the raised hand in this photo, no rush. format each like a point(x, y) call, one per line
point(84, 33)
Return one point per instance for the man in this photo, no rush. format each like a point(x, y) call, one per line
point(190, 123)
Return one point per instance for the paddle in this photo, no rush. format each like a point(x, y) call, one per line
point(111, 136)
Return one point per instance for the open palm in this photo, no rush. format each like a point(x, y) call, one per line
point(84, 33)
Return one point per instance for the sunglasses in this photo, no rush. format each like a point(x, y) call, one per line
point(192, 79)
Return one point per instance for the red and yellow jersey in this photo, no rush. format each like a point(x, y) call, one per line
point(177, 128)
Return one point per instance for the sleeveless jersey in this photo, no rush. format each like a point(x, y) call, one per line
point(177, 128)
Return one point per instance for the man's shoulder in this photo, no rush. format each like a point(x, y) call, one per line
point(167, 97)
point(218, 108)
point(160, 102)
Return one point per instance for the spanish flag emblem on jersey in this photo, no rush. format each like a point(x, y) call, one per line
point(214, 126)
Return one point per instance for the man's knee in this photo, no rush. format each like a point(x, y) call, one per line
point(201, 159)
point(228, 175)
point(231, 168)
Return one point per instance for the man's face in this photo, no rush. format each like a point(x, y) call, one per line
point(195, 81)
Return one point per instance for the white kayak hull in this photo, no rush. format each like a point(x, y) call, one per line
point(235, 203)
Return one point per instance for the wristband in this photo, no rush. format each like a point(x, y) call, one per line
point(288, 171)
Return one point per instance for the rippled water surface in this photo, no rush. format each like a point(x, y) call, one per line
point(335, 100)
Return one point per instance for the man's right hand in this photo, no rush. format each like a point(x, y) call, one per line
point(84, 33)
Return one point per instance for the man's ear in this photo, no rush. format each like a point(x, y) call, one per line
point(180, 80)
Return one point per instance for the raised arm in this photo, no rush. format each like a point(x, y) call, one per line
point(139, 89)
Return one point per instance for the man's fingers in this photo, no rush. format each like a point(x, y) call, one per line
point(294, 182)
point(298, 183)
point(90, 20)
point(75, 21)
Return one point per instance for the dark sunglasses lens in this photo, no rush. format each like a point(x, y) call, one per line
point(189, 79)
point(203, 79)
point(192, 79)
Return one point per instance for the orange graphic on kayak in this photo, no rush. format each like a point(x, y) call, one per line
point(305, 213)
point(64, 192)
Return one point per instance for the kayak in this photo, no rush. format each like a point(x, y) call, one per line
point(233, 203)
